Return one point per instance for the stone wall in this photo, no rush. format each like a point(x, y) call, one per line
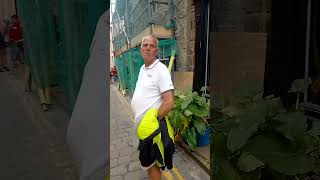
point(185, 33)
point(7, 8)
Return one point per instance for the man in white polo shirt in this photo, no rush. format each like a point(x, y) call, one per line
point(154, 89)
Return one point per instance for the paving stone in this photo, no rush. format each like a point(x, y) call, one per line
point(134, 166)
point(125, 152)
point(114, 154)
point(134, 175)
point(122, 145)
point(113, 163)
point(124, 160)
point(117, 178)
point(119, 170)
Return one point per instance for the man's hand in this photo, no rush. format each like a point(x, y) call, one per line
point(167, 104)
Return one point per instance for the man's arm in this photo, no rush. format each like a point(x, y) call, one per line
point(167, 104)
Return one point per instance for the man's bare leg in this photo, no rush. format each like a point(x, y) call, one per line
point(154, 173)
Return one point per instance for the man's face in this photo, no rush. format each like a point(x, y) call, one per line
point(149, 50)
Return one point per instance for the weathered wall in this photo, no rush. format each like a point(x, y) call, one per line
point(238, 57)
point(185, 33)
point(7, 8)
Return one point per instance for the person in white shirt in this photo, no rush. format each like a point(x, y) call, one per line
point(154, 89)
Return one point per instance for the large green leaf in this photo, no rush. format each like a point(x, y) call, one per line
point(250, 118)
point(298, 85)
point(271, 142)
point(190, 137)
point(176, 119)
point(294, 125)
point(224, 170)
point(279, 154)
point(225, 125)
point(201, 101)
point(186, 102)
point(238, 137)
point(247, 162)
point(289, 164)
point(200, 125)
point(198, 111)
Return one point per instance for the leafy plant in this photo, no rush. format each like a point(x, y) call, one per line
point(255, 137)
point(190, 114)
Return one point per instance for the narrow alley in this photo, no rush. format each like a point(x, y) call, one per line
point(30, 148)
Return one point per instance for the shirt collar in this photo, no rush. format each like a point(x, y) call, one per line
point(152, 65)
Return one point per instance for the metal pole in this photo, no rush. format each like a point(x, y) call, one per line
point(207, 45)
point(306, 72)
point(122, 27)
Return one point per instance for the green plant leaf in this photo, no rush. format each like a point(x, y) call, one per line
point(200, 125)
point(289, 164)
point(204, 88)
point(248, 162)
point(269, 142)
point(186, 102)
point(201, 101)
point(238, 137)
point(294, 125)
point(190, 136)
point(279, 154)
point(297, 86)
point(224, 170)
point(197, 111)
point(176, 119)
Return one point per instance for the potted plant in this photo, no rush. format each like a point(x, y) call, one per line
point(189, 116)
point(255, 137)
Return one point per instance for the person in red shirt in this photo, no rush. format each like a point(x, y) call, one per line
point(114, 73)
point(15, 36)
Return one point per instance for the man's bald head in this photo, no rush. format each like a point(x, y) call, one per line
point(149, 49)
point(154, 38)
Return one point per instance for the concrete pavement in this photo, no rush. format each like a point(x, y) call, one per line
point(30, 150)
point(124, 161)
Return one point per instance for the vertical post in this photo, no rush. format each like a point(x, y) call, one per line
point(306, 72)
point(207, 45)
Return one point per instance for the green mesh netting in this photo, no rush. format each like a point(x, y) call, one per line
point(130, 62)
point(57, 48)
point(137, 15)
point(39, 40)
point(76, 20)
point(122, 73)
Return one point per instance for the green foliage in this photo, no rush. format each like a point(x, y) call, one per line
point(256, 136)
point(190, 114)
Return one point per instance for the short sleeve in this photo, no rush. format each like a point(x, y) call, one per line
point(164, 81)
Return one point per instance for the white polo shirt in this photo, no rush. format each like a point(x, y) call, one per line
point(152, 81)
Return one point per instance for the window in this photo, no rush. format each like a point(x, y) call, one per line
point(155, 7)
